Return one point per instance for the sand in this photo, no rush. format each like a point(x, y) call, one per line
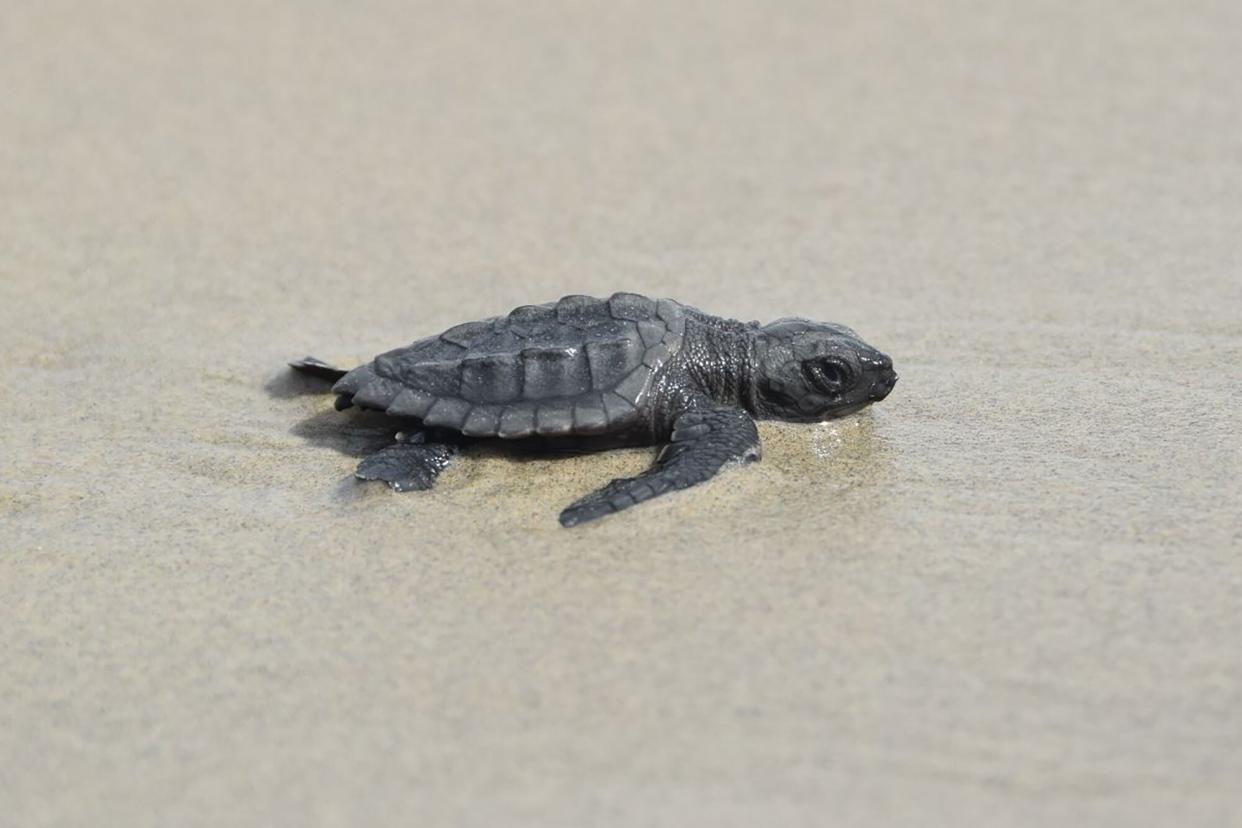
point(1010, 595)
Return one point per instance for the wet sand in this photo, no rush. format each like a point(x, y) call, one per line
point(1009, 595)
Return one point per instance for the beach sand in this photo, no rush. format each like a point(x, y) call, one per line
point(1009, 595)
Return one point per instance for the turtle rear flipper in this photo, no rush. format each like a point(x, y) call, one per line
point(407, 467)
point(313, 367)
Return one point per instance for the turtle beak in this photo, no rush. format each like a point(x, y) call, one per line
point(883, 384)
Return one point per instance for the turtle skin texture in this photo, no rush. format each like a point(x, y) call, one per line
point(591, 373)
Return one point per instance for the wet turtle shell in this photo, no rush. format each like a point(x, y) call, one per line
point(578, 366)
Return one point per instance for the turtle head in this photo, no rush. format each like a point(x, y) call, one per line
point(812, 371)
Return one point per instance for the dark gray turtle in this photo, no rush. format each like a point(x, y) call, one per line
point(598, 373)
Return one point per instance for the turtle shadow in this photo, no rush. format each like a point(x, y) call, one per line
point(289, 384)
point(353, 433)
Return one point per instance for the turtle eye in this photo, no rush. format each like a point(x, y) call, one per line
point(828, 375)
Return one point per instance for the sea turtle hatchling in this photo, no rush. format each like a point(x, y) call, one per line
point(601, 373)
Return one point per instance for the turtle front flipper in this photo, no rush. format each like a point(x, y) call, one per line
point(407, 467)
point(705, 439)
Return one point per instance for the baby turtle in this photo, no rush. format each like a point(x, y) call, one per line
point(600, 373)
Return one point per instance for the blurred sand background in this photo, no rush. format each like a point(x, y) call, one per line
point(1010, 595)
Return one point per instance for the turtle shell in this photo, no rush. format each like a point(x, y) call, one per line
point(578, 366)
